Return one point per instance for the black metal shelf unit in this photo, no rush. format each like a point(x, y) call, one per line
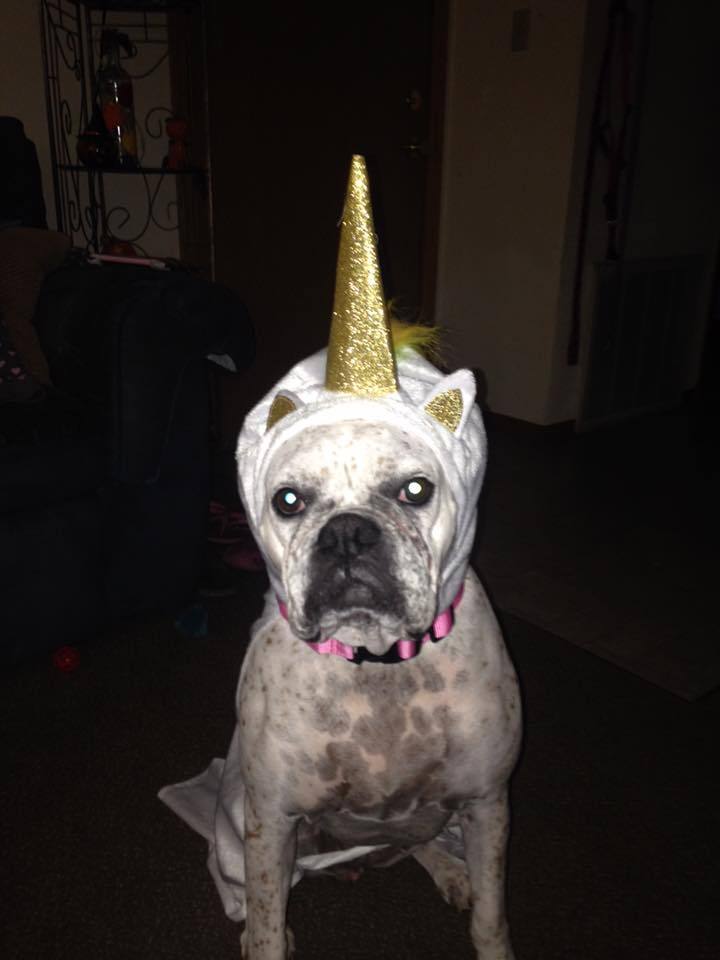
point(85, 202)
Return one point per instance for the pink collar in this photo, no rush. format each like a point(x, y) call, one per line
point(400, 650)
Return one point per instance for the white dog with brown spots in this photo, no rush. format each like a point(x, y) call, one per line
point(378, 713)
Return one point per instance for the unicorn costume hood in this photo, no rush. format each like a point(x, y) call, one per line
point(360, 378)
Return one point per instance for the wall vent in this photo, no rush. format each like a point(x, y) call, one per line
point(644, 323)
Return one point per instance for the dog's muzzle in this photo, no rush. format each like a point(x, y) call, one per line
point(403, 649)
point(351, 569)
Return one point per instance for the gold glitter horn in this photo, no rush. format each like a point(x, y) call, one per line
point(360, 358)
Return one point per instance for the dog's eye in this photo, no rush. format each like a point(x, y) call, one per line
point(288, 502)
point(416, 491)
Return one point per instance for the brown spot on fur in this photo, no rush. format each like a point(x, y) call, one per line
point(385, 686)
point(345, 760)
point(375, 731)
point(442, 718)
point(432, 678)
point(330, 717)
point(420, 720)
point(305, 762)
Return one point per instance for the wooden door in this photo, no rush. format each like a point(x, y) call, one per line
point(294, 90)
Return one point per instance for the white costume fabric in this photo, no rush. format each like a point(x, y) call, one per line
point(365, 384)
point(463, 456)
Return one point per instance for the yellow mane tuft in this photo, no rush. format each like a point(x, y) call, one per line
point(415, 336)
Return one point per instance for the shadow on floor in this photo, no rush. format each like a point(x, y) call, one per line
point(606, 539)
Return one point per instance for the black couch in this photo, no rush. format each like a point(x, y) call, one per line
point(104, 478)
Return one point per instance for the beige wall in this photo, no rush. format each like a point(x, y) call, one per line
point(509, 148)
point(22, 94)
point(517, 129)
point(22, 91)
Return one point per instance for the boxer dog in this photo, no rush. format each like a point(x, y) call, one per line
point(378, 713)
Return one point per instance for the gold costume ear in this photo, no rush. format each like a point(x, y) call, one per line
point(447, 408)
point(360, 357)
point(279, 408)
point(451, 401)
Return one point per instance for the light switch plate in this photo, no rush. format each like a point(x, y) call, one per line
point(520, 37)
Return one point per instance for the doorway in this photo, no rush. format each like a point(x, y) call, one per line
point(293, 91)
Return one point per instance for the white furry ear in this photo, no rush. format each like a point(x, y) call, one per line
point(283, 403)
point(451, 400)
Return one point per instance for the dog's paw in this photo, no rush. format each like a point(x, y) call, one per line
point(454, 885)
point(289, 940)
point(449, 873)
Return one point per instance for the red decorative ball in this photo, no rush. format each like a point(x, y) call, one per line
point(66, 659)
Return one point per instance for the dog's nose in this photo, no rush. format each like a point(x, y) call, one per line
point(347, 535)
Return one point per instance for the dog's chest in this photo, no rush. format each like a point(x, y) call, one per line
point(376, 740)
point(391, 748)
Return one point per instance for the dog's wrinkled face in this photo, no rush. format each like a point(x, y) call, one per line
point(358, 518)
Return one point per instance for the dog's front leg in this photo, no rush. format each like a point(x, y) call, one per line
point(485, 833)
point(270, 843)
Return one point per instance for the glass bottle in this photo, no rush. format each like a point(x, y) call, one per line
point(115, 94)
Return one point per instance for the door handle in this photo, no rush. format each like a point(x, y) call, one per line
point(416, 149)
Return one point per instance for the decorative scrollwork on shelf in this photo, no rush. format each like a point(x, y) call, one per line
point(115, 227)
point(147, 73)
point(65, 35)
point(82, 211)
point(85, 196)
point(157, 124)
point(172, 214)
point(66, 123)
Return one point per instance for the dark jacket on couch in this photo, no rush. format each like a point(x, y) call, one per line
point(104, 425)
point(104, 481)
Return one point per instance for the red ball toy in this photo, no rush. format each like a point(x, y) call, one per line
point(66, 659)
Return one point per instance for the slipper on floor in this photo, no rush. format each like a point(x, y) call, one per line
point(244, 555)
point(225, 525)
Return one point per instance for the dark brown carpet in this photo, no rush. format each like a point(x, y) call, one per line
point(614, 850)
point(607, 540)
